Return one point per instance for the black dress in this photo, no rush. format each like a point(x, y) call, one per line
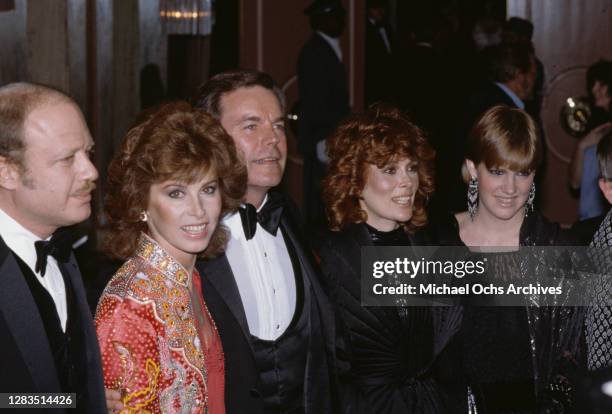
point(509, 359)
point(390, 362)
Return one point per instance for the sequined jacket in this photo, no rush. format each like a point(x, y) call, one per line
point(151, 349)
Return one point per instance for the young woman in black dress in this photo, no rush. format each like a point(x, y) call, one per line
point(514, 359)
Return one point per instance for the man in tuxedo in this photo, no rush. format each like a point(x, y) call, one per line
point(274, 319)
point(323, 97)
point(378, 49)
point(47, 338)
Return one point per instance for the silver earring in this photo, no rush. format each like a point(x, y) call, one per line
point(472, 197)
point(144, 216)
point(530, 198)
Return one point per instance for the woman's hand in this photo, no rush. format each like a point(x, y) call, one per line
point(113, 401)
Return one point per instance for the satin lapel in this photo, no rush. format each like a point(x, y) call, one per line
point(21, 314)
point(94, 367)
point(219, 273)
point(320, 367)
point(309, 271)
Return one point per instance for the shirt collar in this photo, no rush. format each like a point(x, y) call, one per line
point(334, 42)
point(19, 239)
point(517, 101)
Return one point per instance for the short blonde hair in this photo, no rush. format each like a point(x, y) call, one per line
point(504, 137)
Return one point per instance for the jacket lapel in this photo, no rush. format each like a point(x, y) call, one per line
point(22, 317)
point(219, 273)
point(94, 367)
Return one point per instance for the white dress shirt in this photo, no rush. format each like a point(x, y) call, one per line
point(334, 42)
point(517, 101)
point(264, 275)
point(383, 34)
point(21, 241)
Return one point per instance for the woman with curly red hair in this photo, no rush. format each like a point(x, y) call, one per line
point(379, 180)
point(175, 175)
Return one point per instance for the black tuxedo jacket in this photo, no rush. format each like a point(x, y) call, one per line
point(222, 297)
point(378, 64)
point(27, 361)
point(323, 92)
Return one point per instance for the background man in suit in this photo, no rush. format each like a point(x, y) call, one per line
point(275, 321)
point(323, 97)
point(378, 50)
point(47, 338)
point(511, 71)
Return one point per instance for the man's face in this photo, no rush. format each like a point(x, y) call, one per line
point(253, 118)
point(528, 80)
point(377, 13)
point(54, 188)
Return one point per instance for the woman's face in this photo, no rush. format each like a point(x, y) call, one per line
point(502, 193)
point(182, 217)
point(388, 194)
point(601, 95)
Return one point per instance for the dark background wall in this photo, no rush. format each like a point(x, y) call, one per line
point(96, 51)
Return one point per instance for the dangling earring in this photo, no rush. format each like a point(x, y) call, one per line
point(530, 198)
point(472, 197)
point(144, 216)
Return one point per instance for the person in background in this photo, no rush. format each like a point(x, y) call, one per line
point(47, 338)
point(176, 174)
point(323, 97)
point(583, 170)
point(511, 73)
point(379, 43)
point(516, 29)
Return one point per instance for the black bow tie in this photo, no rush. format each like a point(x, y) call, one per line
point(55, 247)
point(268, 217)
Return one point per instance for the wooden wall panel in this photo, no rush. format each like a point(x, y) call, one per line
point(76, 19)
point(569, 36)
point(126, 67)
point(47, 43)
point(13, 44)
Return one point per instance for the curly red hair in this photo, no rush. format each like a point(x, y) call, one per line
point(174, 141)
point(379, 136)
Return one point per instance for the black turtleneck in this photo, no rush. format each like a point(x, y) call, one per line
point(397, 237)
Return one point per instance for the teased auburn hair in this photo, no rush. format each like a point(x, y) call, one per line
point(381, 135)
point(504, 137)
point(173, 141)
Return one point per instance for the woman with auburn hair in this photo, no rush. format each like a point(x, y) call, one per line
point(378, 183)
point(175, 175)
point(514, 359)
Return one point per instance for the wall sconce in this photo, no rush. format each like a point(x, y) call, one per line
point(190, 17)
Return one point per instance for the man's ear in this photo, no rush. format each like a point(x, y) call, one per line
point(606, 188)
point(9, 174)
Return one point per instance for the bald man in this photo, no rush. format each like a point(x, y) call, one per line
point(47, 339)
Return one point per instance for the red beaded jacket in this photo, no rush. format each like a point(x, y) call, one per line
point(160, 347)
